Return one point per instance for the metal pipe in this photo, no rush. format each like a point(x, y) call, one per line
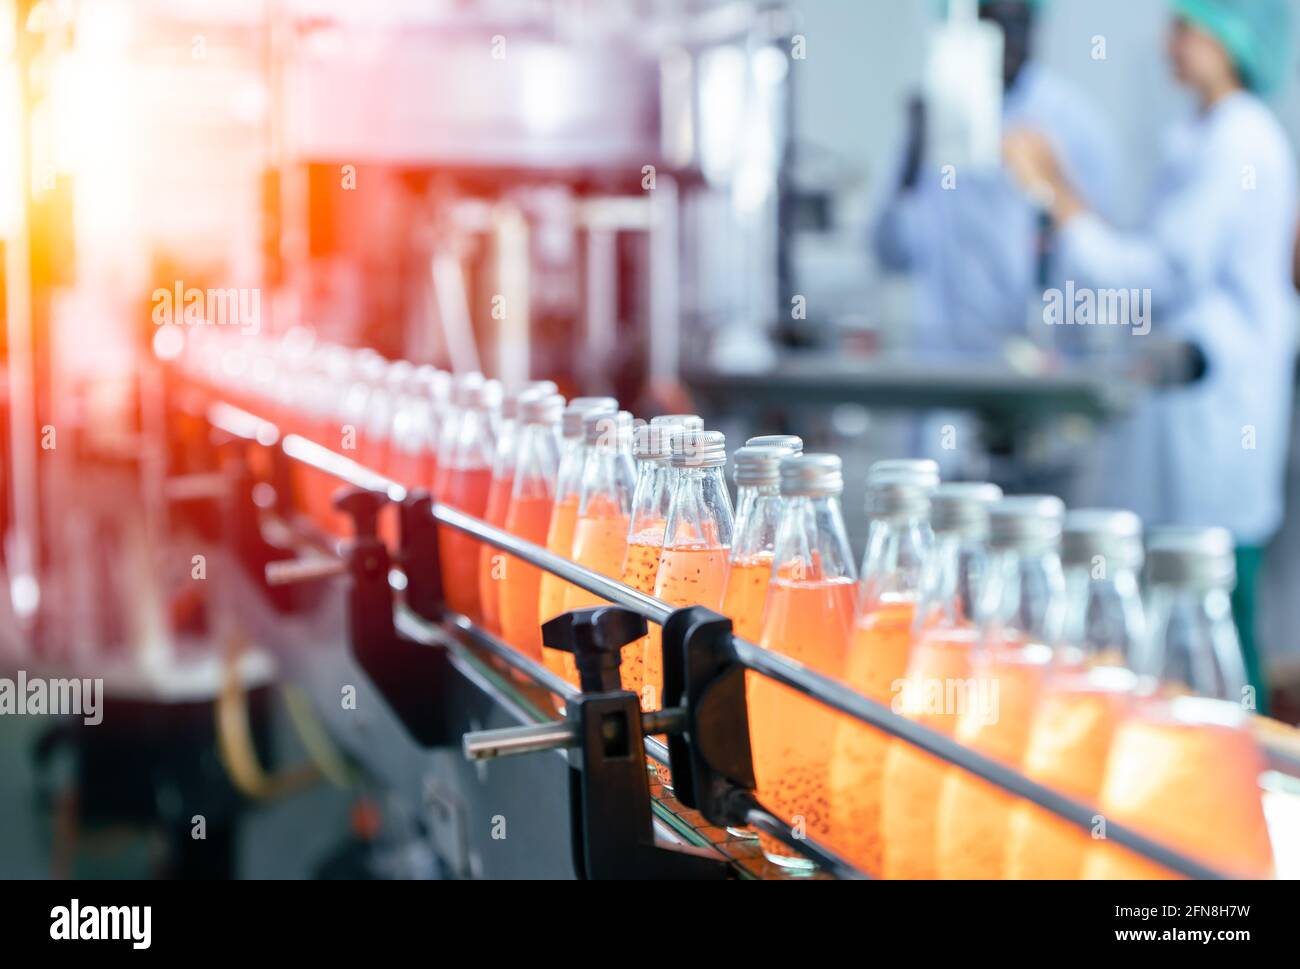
point(593, 582)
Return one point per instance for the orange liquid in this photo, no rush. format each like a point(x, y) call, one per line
point(640, 569)
point(973, 814)
point(877, 659)
point(746, 595)
point(1068, 748)
point(521, 583)
point(1193, 786)
point(559, 539)
point(688, 576)
point(466, 490)
point(600, 544)
point(491, 560)
point(913, 779)
point(790, 734)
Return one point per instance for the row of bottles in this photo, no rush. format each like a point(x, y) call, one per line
point(1016, 628)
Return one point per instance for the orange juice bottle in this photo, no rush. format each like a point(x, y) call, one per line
point(1069, 742)
point(1185, 771)
point(528, 515)
point(898, 544)
point(604, 509)
point(564, 514)
point(1020, 621)
point(697, 539)
point(809, 618)
point(465, 468)
point(758, 514)
point(415, 420)
point(934, 690)
point(491, 562)
point(645, 540)
point(749, 571)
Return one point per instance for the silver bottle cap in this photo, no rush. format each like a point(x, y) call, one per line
point(687, 422)
point(963, 507)
point(542, 409)
point(790, 443)
point(653, 442)
point(759, 467)
point(698, 449)
point(1026, 523)
point(1197, 557)
point(1114, 535)
point(812, 476)
point(534, 388)
point(467, 389)
point(922, 472)
point(606, 428)
point(579, 406)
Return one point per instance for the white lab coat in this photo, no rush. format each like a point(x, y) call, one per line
point(1215, 255)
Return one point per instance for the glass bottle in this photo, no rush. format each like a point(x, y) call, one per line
point(898, 543)
point(651, 450)
point(461, 386)
point(1069, 743)
point(809, 618)
point(697, 538)
point(532, 498)
point(1194, 647)
point(1185, 771)
point(1020, 622)
point(492, 559)
point(757, 473)
point(465, 467)
point(945, 635)
point(604, 509)
point(758, 514)
point(564, 514)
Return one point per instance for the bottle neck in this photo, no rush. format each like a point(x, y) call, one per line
point(608, 480)
point(699, 510)
point(812, 544)
point(1023, 599)
point(1104, 621)
point(1193, 645)
point(897, 549)
point(651, 497)
point(758, 516)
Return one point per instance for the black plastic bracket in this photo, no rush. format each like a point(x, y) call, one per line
point(243, 524)
point(609, 784)
point(713, 769)
point(419, 556)
point(411, 676)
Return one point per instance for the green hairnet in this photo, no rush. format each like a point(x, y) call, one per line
point(1255, 33)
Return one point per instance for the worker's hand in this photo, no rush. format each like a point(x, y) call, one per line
point(1032, 162)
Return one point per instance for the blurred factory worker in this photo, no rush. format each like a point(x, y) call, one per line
point(1215, 255)
point(973, 250)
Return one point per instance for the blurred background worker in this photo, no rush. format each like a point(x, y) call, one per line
point(971, 239)
point(1215, 255)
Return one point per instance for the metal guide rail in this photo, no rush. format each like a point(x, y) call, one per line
point(704, 715)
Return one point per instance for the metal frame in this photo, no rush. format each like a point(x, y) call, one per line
point(823, 689)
